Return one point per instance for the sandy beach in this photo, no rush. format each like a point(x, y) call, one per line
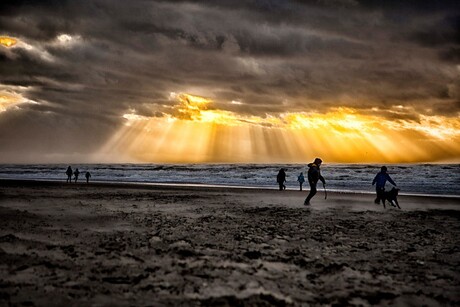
point(127, 244)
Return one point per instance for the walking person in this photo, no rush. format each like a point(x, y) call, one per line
point(380, 179)
point(301, 180)
point(281, 179)
point(314, 174)
point(76, 173)
point(69, 173)
point(87, 175)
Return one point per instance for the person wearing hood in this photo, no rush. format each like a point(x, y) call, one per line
point(314, 174)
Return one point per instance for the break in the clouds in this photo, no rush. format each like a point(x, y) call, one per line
point(79, 66)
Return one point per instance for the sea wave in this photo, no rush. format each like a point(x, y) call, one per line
point(418, 179)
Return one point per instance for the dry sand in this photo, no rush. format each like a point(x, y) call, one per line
point(119, 244)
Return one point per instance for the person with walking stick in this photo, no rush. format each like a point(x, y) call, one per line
point(314, 174)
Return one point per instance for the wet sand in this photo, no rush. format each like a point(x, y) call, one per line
point(121, 244)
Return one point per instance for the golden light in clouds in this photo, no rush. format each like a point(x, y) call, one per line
point(201, 134)
point(8, 99)
point(7, 41)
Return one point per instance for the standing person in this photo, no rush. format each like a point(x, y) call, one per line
point(301, 180)
point(314, 174)
point(76, 173)
point(69, 173)
point(87, 175)
point(281, 178)
point(381, 178)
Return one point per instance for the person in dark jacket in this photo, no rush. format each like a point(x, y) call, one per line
point(69, 173)
point(314, 174)
point(380, 180)
point(281, 178)
point(76, 173)
point(87, 175)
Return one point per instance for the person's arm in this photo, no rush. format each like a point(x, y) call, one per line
point(375, 179)
point(322, 179)
point(390, 180)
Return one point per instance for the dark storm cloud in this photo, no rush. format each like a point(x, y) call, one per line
point(273, 56)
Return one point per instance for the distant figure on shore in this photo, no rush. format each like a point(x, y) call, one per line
point(76, 173)
point(301, 180)
point(281, 179)
point(87, 175)
point(69, 173)
point(380, 179)
point(314, 174)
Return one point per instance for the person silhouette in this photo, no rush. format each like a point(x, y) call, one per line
point(281, 178)
point(301, 180)
point(69, 173)
point(87, 175)
point(76, 173)
point(380, 179)
point(314, 174)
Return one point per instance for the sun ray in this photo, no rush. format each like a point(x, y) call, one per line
point(198, 133)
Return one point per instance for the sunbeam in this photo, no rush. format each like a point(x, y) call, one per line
point(198, 134)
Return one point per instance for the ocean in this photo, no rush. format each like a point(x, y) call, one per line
point(420, 179)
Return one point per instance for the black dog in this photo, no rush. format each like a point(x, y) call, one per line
point(391, 196)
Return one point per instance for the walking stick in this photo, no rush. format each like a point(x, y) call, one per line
point(325, 191)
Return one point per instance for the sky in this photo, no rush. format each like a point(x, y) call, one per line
point(251, 81)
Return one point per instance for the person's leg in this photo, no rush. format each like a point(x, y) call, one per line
point(381, 196)
point(377, 198)
point(312, 192)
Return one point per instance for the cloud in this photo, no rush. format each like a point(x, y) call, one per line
point(94, 61)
